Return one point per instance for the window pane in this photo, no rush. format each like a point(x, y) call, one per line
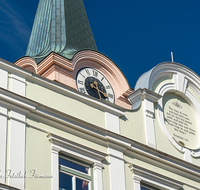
point(73, 165)
point(147, 187)
point(81, 184)
point(143, 188)
point(65, 181)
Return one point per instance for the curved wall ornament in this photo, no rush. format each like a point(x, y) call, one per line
point(27, 63)
point(181, 78)
point(194, 104)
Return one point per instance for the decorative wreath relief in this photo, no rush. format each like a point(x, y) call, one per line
point(177, 104)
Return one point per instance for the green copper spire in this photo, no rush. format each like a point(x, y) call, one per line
point(61, 26)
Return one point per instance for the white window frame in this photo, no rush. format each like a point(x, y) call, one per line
point(74, 176)
point(7, 187)
point(79, 152)
point(149, 188)
point(153, 179)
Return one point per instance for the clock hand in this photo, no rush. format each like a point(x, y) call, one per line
point(96, 87)
point(100, 90)
point(105, 95)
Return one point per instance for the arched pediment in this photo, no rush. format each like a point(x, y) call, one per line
point(63, 70)
point(27, 63)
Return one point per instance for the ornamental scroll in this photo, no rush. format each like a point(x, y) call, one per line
point(180, 121)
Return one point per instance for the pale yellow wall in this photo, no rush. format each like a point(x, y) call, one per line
point(163, 171)
point(162, 142)
point(65, 104)
point(186, 187)
point(38, 157)
point(196, 161)
point(106, 174)
point(69, 136)
point(129, 177)
point(132, 125)
point(38, 153)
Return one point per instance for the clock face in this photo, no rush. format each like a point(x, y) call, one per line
point(92, 82)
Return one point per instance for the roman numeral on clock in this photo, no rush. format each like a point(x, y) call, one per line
point(82, 90)
point(110, 95)
point(95, 73)
point(80, 82)
point(87, 71)
point(82, 75)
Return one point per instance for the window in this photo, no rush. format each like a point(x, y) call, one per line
point(74, 175)
point(145, 179)
point(147, 187)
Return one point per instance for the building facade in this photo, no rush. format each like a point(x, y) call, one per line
point(74, 123)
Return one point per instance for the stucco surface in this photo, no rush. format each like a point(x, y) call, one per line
point(132, 125)
point(65, 104)
point(38, 157)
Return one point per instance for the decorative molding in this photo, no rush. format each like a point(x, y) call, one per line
point(75, 149)
point(169, 87)
point(3, 78)
point(180, 82)
point(154, 179)
point(17, 78)
point(54, 59)
point(142, 94)
point(162, 160)
point(97, 165)
point(11, 68)
point(16, 102)
point(17, 84)
point(149, 98)
point(181, 77)
point(25, 62)
point(55, 150)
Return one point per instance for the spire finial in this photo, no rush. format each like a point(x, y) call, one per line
point(172, 56)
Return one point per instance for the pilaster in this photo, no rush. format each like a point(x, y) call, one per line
point(116, 160)
point(16, 150)
point(98, 178)
point(55, 167)
point(3, 142)
point(148, 99)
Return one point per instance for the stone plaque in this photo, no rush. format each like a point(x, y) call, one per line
point(180, 121)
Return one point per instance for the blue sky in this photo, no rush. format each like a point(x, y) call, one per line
point(136, 35)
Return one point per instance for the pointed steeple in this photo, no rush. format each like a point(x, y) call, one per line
point(61, 26)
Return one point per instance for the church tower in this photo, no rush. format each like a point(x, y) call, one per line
point(60, 26)
point(62, 48)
